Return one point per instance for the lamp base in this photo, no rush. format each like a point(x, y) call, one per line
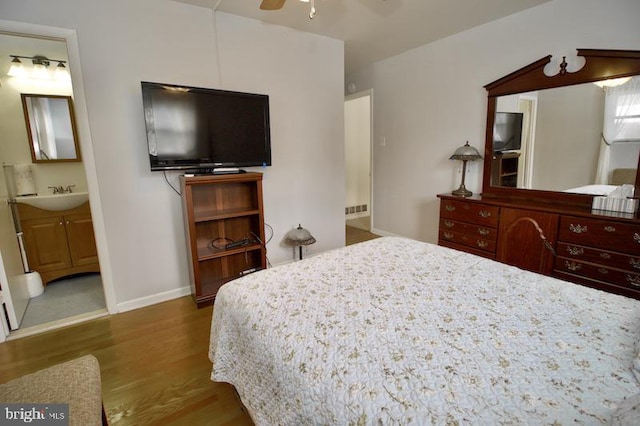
point(462, 192)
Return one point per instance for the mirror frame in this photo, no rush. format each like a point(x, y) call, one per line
point(72, 119)
point(599, 65)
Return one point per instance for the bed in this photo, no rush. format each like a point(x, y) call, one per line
point(396, 331)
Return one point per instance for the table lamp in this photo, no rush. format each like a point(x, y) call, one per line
point(464, 153)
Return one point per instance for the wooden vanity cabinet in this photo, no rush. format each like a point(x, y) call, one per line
point(219, 209)
point(569, 243)
point(59, 243)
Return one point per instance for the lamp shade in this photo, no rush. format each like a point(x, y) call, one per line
point(299, 237)
point(466, 152)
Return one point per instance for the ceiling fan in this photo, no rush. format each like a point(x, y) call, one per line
point(277, 4)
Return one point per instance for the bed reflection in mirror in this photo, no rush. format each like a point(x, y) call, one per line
point(51, 128)
point(583, 138)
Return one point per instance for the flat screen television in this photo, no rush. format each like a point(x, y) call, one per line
point(507, 131)
point(190, 128)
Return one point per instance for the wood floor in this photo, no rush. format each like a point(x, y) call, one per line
point(356, 235)
point(154, 364)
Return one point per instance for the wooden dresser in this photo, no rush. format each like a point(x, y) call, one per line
point(569, 243)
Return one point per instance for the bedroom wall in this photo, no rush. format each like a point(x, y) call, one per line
point(582, 110)
point(430, 100)
point(122, 43)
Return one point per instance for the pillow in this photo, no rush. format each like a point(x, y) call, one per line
point(628, 412)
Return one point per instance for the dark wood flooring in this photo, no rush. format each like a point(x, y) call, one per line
point(154, 364)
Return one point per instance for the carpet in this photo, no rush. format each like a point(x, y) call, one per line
point(65, 298)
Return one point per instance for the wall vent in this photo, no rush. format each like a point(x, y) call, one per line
point(362, 208)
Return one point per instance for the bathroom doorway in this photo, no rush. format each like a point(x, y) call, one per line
point(64, 299)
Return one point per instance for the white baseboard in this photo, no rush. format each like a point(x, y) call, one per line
point(383, 233)
point(153, 299)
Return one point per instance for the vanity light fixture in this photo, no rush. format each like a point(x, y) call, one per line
point(464, 153)
point(40, 69)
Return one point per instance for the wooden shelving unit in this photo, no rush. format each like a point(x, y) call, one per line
point(217, 210)
point(505, 169)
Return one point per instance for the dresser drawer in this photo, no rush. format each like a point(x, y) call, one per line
point(469, 240)
point(484, 232)
point(605, 234)
point(607, 258)
point(465, 211)
point(598, 272)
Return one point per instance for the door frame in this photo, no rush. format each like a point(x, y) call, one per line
point(361, 94)
point(86, 143)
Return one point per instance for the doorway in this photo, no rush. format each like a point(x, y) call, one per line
point(18, 39)
point(358, 169)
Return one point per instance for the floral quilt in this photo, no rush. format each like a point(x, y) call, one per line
point(396, 331)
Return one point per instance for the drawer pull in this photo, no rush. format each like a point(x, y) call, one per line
point(636, 237)
point(634, 280)
point(635, 263)
point(603, 271)
point(572, 266)
point(579, 229)
point(448, 235)
point(605, 256)
point(448, 224)
point(450, 208)
point(485, 214)
point(610, 228)
point(482, 244)
point(483, 231)
point(575, 251)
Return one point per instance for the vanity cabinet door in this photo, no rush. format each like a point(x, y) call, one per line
point(526, 239)
point(82, 242)
point(46, 244)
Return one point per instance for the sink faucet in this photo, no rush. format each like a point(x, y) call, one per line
point(68, 189)
point(57, 189)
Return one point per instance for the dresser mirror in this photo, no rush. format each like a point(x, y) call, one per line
point(51, 128)
point(544, 137)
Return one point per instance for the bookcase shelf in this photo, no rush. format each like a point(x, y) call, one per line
point(217, 210)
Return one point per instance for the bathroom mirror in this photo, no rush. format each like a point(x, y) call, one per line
point(51, 128)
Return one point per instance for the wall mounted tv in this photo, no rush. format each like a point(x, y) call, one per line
point(507, 131)
point(190, 128)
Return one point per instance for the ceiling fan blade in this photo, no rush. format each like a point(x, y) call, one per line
point(272, 4)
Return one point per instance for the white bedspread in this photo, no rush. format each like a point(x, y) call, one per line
point(395, 331)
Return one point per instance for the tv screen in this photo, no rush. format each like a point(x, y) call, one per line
point(507, 131)
point(196, 128)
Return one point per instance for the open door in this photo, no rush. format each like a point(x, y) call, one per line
point(14, 303)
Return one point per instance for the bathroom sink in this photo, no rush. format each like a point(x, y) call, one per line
point(55, 201)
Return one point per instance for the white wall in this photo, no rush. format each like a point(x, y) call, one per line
point(430, 100)
point(124, 42)
point(570, 121)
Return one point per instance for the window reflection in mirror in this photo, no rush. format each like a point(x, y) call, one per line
point(51, 128)
point(562, 147)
